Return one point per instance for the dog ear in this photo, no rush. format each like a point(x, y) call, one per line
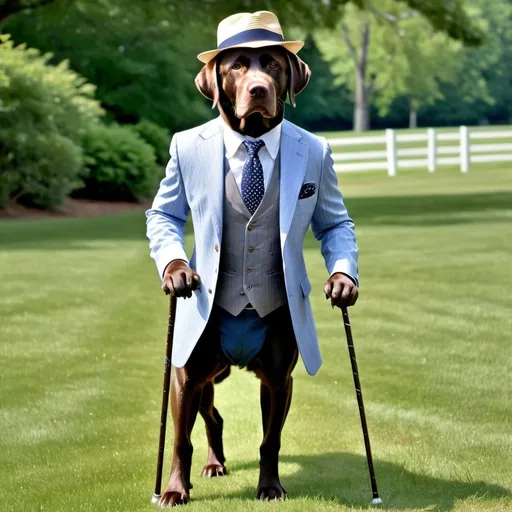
point(206, 82)
point(298, 76)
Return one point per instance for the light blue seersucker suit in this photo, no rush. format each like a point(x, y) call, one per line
point(194, 182)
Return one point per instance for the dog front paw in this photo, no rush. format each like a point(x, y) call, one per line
point(213, 470)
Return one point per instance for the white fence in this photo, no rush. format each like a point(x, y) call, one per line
point(429, 155)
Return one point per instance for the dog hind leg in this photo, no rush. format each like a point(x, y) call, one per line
point(273, 366)
point(214, 426)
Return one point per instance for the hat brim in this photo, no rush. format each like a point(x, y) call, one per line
point(291, 46)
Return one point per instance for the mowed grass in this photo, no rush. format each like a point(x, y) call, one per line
point(82, 330)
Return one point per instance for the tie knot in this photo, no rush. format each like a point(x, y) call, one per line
point(253, 146)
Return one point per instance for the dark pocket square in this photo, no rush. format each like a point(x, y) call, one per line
point(307, 190)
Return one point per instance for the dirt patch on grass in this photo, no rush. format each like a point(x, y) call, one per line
point(71, 208)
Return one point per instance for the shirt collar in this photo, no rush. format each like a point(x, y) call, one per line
point(233, 140)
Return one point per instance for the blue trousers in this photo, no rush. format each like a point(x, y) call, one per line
point(242, 336)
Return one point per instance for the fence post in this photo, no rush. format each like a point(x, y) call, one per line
point(465, 155)
point(432, 150)
point(391, 151)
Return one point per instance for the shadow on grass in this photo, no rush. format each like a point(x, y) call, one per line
point(433, 210)
point(343, 478)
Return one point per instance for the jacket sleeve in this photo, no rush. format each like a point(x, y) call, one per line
point(165, 224)
point(331, 224)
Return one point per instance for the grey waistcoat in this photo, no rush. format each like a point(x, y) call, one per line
point(251, 264)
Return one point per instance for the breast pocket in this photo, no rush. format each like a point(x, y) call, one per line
point(305, 209)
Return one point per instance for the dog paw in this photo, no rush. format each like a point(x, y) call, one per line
point(271, 492)
point(173, 499)
point(213, 470)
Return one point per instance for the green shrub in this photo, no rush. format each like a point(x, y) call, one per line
point(157, 137)
point(43, 110)
point(118, 165)
point(49, 173)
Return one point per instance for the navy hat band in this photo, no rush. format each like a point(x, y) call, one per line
point(247, 36)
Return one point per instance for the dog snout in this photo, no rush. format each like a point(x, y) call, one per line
point(258, 90)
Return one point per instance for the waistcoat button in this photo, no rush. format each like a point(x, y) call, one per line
point(251, 249)
point(250, 227)
point(249, 286)
point(249, 269)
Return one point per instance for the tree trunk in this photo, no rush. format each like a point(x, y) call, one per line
point(413, 115)
point(363, 87)
point(361, 104)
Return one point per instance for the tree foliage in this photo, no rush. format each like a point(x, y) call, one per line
point(385, 53)
point(450, 16)
point(43, 111)
point(143, 68)
point(142, 54)
point(483, 90)
point(322, 101)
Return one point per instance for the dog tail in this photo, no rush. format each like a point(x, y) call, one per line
point(223, 375)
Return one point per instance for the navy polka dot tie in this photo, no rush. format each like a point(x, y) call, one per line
point(253, 186)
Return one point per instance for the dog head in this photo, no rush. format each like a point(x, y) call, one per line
point(250, 85)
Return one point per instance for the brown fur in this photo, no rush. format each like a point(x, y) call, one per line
point(275, 71)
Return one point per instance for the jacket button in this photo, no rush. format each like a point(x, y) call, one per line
point(216, 247)
point(250, 227)
point(251, 249)
point(249, 286)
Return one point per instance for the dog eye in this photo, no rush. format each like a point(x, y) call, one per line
point(236, 66)
point(272, 64)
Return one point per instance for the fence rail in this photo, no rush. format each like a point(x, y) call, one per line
point(392, 157)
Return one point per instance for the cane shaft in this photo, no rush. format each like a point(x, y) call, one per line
point(165, 395)
point(360, 403)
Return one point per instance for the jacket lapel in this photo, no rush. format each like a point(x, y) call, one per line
point(294, 158)
point(210, 169)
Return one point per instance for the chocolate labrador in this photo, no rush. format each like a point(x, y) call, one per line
point(249, 87)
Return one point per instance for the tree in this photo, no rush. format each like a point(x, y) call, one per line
point(319, 104)
point(449, 17)
point(144, 68)
point(141, 54)
point(388, 52)
point(425, 60)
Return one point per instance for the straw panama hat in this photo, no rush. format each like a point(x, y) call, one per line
point(250, 30)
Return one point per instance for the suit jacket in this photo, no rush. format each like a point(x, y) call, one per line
point(194, 182)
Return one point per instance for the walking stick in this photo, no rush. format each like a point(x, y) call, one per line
point(350, 342)
point(165, 400)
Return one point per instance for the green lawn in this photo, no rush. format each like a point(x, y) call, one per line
point(82, 330)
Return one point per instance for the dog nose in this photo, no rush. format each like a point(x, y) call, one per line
point(258, 91)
